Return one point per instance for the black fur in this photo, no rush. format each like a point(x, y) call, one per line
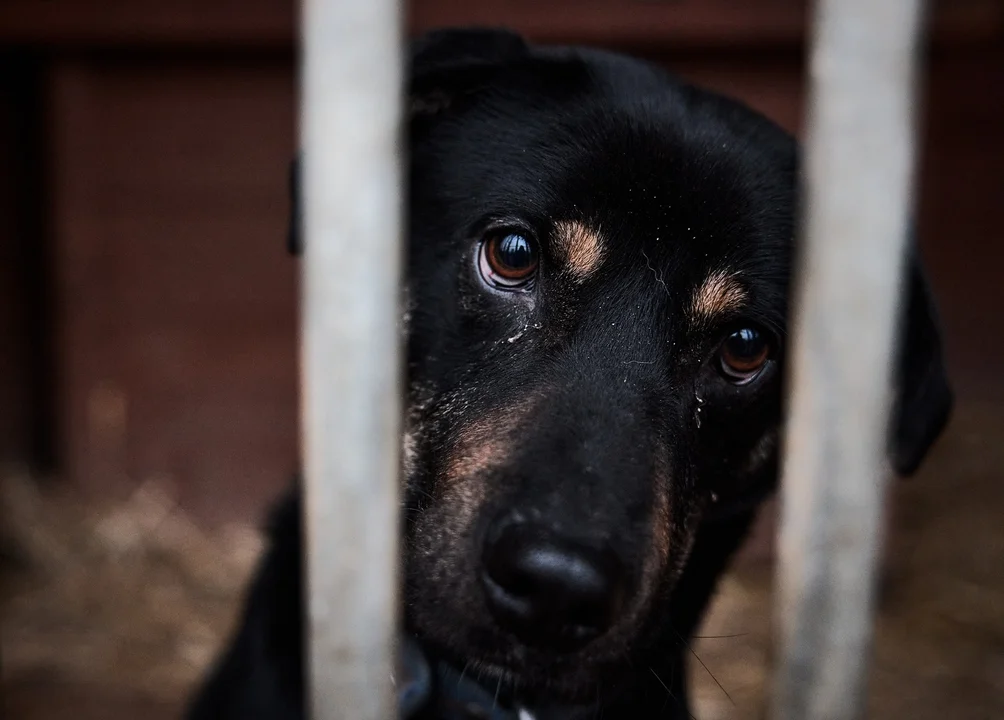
point(585, 402)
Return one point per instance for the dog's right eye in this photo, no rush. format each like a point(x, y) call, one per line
point(743, 355)
point(508, 260)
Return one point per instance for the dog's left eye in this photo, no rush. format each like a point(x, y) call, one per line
point(508, 260)
point(743, 355)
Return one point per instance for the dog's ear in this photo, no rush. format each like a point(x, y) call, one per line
point(458, 47)
point(923, 396)
point(446, 64)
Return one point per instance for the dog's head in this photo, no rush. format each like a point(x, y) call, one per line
point(599, 260)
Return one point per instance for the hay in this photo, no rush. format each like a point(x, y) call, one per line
point(133, 596)
point(939, 633)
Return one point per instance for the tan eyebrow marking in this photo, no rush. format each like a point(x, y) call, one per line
point(718, 294)
point(580, 247)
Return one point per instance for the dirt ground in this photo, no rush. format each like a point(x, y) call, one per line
point(114, 612)
point(939, 645)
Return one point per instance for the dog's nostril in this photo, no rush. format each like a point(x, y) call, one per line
point(550, 591)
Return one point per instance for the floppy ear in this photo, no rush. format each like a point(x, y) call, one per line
point(444, 65)
point(447, 64)
point(923, 397)
point(455, 47)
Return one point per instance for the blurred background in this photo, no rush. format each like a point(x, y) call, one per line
point(148, 367)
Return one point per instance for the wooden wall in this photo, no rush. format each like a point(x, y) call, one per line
point(147, 308)
point(24, 330)
point(176, 320)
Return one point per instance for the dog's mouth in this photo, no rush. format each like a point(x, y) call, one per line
point(539, 679)
point(431, 686)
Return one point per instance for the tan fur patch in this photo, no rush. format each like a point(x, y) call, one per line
point(581, 248)
point(480, 446)
point(661, 521)
point(661, 542)
point(666, 546)
point(718, 294)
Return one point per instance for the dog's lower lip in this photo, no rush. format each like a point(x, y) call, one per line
point(492, 669)
point(494, 677)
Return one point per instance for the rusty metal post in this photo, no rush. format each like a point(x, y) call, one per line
point(350, 391)
point(857, 193)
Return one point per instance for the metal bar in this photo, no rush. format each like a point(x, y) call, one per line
point(857, 193)
point(351, 379)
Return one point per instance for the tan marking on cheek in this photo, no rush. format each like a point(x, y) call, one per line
point(661, 542)
point(661, 547)
point(673, 534)
point(661, 521)
point(718, 294)
point(480, 446)
point(580, 248)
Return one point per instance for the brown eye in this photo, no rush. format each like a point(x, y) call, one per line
point(743, 355)
point(508, 260)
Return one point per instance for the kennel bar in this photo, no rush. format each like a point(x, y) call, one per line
point(858, 196)
point(351, 83)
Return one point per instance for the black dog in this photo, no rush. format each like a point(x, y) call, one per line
point(598, 281)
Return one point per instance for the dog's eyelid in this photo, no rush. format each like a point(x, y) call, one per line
point(750, 315)
point(503, 222)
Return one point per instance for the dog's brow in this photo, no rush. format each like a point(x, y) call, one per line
point(580, 247)
point(720, 293)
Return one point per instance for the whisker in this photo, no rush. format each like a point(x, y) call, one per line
point(422, 491)
point(717, 637)
point(706, 668)
point(668, 691)
point(664, 685)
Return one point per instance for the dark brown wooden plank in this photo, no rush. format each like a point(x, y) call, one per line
point(24, 402)
point(273, 23)
point(177, 323)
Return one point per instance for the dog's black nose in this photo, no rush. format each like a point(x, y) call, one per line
point(550, 591)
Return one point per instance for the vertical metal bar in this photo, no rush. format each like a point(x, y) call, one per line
point(857, 196)
point(350, 392)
